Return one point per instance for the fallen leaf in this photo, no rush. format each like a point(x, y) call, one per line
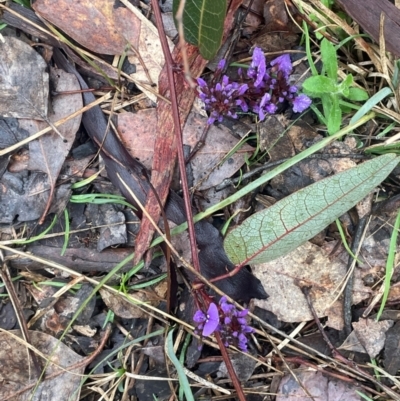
point(242, 364)
point(95, 24)
point(24, 82)
point(25, 199)
point(149, 59)
point(371, 334)
point(10, 132)
point(352, 343)
point(8, 318)
point(112, 222)
point(16, 370)
point(125, 309)
point(48, 153)
point(318, 386)
point(136, 132)
point(311, 265)
point(368, 13)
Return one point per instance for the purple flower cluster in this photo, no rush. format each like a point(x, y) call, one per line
point(230, 322)
point(261, 90)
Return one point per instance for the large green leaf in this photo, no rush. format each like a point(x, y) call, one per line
point(284, 226)
point(319, 85)
point(203, 23)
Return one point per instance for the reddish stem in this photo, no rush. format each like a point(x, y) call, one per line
point(178, 132)
point(229, 367)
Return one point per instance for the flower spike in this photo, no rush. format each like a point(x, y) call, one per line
point(261, 91)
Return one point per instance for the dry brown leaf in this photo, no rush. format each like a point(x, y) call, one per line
point(151, 60)
point(96, 24)
point(24, 82)
point(24, 199)
point(311, 266)
point(318, 386)
point(125, 309)
point(48, 153)
point(16, 369)
point(137, 133)
point(372, 334)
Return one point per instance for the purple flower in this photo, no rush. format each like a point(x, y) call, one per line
point(234, 328)
point(265, 88)
point(223, 98)
point(226, 307)
point(284, 64)
point(221, 64)
point(300, 103)
point(207, 322)
point(257, 67)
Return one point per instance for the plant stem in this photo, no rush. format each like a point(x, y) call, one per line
point(178, 132)
point(229, 367)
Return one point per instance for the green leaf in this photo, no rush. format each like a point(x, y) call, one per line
point(183, 380)
point(335, 116)
point(203, 23)
point(344, 86)
point(284, 226)
point(357, 94)
point(319, 85)
point(329, 59)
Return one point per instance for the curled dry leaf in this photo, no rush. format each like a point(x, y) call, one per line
point(24, 82)
point(17, 368)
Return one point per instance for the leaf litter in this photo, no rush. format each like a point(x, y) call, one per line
point(31, 174)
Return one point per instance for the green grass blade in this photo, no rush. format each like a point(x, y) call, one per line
point(390, 264)
point(37, 237)
point(370, 103)
point(183, 380)
point(182, 360)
